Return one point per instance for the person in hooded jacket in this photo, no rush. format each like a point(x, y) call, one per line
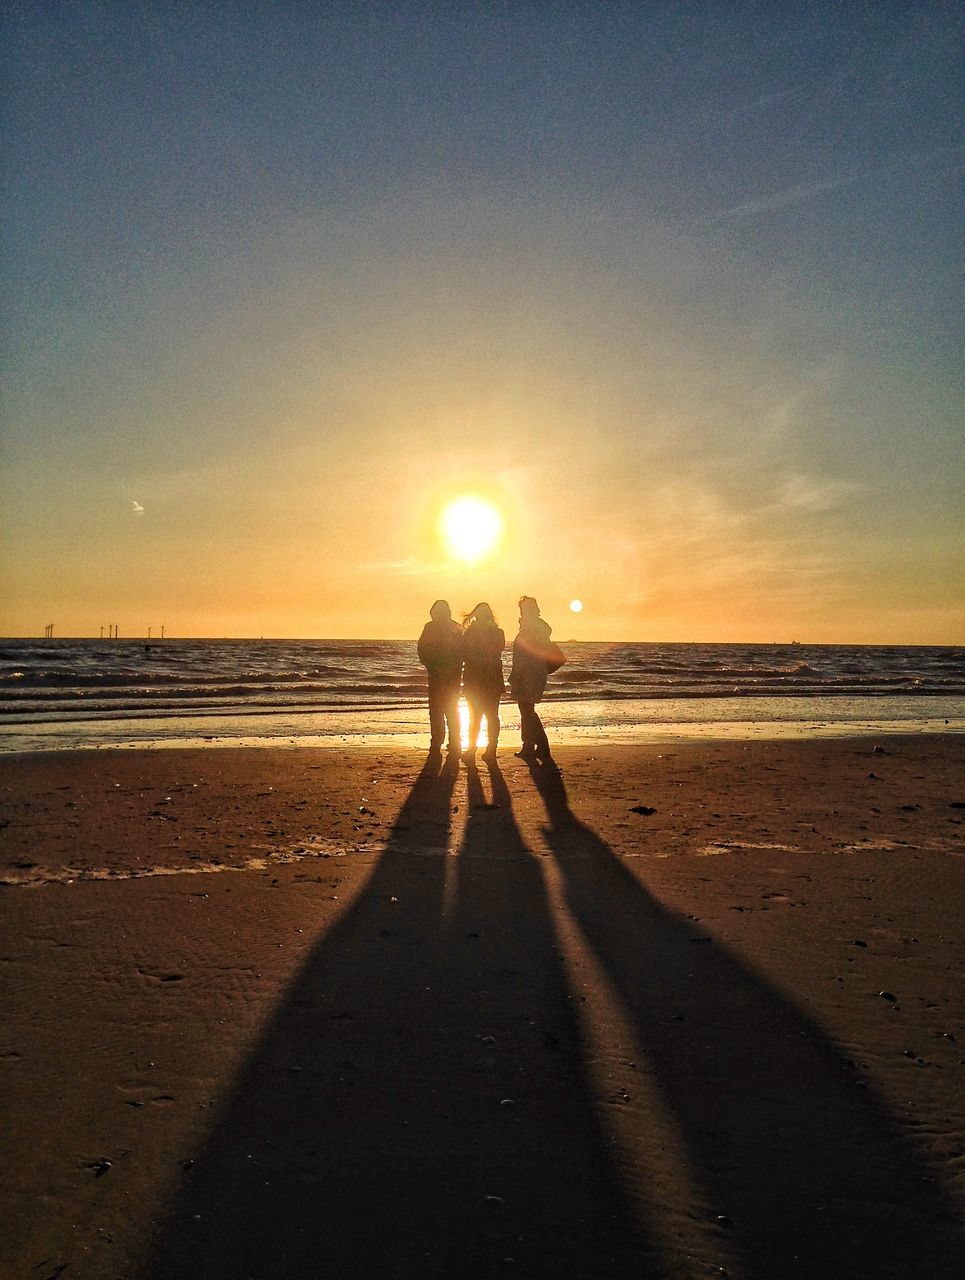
point(532, 654)
point(482, 677)
point(440, 651)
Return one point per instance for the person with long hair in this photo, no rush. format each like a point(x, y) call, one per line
point(533, 654)
point(440, 652)
point(482, 677)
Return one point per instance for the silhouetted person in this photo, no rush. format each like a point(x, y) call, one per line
point(440, 652)
point(482, 677)
point(532, 653)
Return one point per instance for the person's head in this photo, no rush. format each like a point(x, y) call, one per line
point(528, 609)
point(481, 613)
point(440, 611)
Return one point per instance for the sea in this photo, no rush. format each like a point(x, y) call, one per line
point(60, 694)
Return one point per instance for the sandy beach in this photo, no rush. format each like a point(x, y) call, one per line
point(689, 1009)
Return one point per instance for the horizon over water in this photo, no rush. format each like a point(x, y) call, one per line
point(62, 693)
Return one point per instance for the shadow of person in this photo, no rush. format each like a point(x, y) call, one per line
point(310, 1168)
point(416, 1106)
point(805, 1168)
point(537, 1141)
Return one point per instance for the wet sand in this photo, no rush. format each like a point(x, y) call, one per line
point(682, 1010)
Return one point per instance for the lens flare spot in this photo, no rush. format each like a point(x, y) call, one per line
point(471, 528)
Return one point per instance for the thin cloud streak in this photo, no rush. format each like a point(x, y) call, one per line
point(809, 190)
point(408, 568)
point(793, 195)
point(696, 542)
point(812, 494)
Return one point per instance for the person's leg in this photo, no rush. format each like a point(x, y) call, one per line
point(492, 727)
point(451, 710)
point(539, 737)
point(527, 714)
point(437, 720)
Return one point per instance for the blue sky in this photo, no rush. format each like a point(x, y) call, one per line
point(677, 285)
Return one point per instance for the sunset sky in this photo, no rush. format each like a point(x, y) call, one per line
point(676, 287)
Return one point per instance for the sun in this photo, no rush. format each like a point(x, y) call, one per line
point(470, 527)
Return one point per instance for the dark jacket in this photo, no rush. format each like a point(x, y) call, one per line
point(483, 674)
point(440, 652)
point(527, 679)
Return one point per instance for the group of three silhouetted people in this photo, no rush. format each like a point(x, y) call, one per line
point(470, 657)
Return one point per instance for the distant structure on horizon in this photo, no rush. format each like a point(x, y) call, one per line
point(49, 631)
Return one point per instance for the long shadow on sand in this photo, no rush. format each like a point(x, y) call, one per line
point(418, 1105)
point(806, 1167)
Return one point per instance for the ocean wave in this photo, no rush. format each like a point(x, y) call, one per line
point(91, 679)
point(68, 677)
